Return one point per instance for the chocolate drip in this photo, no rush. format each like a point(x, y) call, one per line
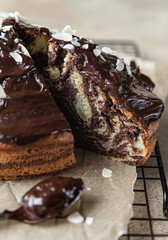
point(28, 112)
point(46, 200)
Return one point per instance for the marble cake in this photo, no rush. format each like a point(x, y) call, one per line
point(108, 103)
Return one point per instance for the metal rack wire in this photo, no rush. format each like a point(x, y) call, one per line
point(158, 166)
point(146, 215)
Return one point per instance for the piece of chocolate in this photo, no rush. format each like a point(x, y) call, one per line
point(47, 199)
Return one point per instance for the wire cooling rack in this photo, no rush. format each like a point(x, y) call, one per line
point(150, 207)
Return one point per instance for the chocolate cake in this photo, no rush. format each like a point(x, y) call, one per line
point(108, 103)
point(35, 137)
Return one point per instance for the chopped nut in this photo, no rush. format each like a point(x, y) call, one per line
point(120, 65)
point(16, 56)
point(68, 46)
point(18, 17)
point(68, 29)
point(63, 36)
point(90, 41)
point(102, 58)
point(107, 50)
point(128, 67)
point(24, 50)
point(107, 173)
point(96, 52)
point(85, 46)
point(7, 28)
point(89, 220)
point(16, 40)
point(76, 218)
point(75, 42)
point(2, 92)
point(54, 30)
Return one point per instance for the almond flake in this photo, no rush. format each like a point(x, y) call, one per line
point(2, 34)
point(89, 220)
point(76, 218)
point(2, 92)
point(128, 68)
point(1, 21)
point(96, 52)
point(120, 65)
point(7, 28)
point(107, 50)
point(18, 17)
point(24, 50)
point(68, 29)
point(85, 46)
point(16, 56)
point(106, 173)
point(102, 58)
point(68, 46)
point(75, 42)
point(2, 37)
point(16, 40)
point(63, 36)
point(54, 30)
point(90, 41)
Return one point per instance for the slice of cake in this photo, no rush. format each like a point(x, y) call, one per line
point(109, 104)
point(35, 137)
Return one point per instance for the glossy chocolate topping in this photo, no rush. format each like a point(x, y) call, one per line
point(28, 111)
point(46, 200)
point(133, 92)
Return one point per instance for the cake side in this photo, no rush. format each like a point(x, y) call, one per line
point(35, 137)
point(47, 155)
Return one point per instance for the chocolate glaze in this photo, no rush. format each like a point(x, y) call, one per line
point(132, 92)
point(47, 199)
point(29, 111)
point(143, 79)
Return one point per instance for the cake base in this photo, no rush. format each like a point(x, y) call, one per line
point(50, 154)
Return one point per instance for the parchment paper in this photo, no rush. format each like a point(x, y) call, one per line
point(109, 201)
